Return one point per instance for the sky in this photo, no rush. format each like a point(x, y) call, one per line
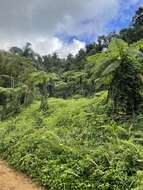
point(62, 26)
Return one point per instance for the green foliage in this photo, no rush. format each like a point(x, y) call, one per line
point(134, 32)
point(11, 100)
point(76, 146)
point(18, 89)
point(120, 70)
point(74, 143)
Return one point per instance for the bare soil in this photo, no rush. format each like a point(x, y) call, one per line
point(12, 180)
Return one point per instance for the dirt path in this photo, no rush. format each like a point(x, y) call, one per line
point(11, 180)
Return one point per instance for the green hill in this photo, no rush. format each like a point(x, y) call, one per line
point(75, 145)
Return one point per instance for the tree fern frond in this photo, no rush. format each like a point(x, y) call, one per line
point(110, 68)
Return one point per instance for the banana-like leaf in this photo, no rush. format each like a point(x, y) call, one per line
point(104, 81)
point(111, 68)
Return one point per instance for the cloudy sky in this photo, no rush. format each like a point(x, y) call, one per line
point(64, 26)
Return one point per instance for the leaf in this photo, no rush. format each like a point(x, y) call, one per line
point(111, 68)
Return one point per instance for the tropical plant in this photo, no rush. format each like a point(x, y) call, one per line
point(121, 73)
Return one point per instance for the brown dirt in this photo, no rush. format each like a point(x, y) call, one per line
point(12, 180)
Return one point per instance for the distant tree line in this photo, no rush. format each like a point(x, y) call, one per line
point(112, 63)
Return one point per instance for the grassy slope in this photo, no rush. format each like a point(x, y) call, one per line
point(75, 146)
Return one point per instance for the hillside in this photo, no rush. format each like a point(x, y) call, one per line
point(75, 145)
point(75, 123)
point(90, 136)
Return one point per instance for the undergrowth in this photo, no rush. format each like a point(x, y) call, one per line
point(75, 145)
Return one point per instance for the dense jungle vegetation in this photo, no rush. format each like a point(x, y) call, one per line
point(76, 123)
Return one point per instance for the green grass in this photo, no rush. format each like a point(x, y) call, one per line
point(75, 145)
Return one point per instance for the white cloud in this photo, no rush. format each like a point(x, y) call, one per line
point(72, 48)
point(44, 46)
point(48, 45)
point(91, 18)
point(36, 17)
point(38, 21)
